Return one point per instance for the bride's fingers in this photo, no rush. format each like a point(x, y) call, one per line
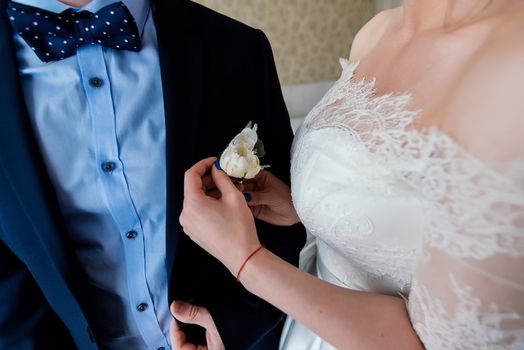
point(259, 183)
point(254, 199)
point(250, 186)
point(240, 186)
point(257, 211)
point(223, 182)
point(208, 183)
point(193, 184)
point(215, 193)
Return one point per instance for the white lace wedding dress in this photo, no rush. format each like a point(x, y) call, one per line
point(398, 211)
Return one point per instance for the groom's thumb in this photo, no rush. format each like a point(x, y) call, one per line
point(189, 313)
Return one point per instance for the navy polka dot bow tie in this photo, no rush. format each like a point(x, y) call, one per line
point(54, 36)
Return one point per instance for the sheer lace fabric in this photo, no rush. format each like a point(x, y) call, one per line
point(401, 211)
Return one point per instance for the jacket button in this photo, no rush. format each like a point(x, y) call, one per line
point(141, 307)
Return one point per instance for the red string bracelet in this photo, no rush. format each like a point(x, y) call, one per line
point(247, 259)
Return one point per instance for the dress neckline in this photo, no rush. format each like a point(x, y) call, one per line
point(431, 137)
point(434, 130)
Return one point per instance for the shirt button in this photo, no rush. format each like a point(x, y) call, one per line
point(142, 307)
point(108, 166)
point(131, 234)
point(161, 348)
point(96, 82)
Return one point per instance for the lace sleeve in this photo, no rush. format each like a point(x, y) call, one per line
point(468, 290)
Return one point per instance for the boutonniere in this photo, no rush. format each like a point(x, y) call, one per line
point(241, 158)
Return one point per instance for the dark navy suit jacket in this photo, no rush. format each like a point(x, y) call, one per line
point(217, 75)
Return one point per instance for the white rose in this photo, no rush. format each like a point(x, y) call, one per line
point(240, 159)
point(248, 137)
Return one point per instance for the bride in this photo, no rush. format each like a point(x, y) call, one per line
point(409, 176)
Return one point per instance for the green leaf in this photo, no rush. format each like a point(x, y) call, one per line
point(259, 148)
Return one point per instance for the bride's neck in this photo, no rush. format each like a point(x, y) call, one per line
point(419, 15)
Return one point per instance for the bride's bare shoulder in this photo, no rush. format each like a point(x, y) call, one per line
point(371, 33)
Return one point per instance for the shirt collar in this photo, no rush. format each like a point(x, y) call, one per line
point(138, 8)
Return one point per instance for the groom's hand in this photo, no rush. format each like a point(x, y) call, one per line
point(193, 314)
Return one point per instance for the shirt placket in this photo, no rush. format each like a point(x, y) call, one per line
point(112, 179)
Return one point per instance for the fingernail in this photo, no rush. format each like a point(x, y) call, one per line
point(248, 197)
point(217, 164)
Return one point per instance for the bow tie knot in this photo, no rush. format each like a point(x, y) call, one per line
point(55, 36)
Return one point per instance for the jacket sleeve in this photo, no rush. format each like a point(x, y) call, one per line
point(22, 306)
point(243, 319)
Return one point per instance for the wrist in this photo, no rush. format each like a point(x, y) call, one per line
point(234, 262)
point(253, 269)
point(246, 261)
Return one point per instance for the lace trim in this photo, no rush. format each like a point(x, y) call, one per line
point(471, 326)
point(447, 177)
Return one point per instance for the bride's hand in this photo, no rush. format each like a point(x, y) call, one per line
point(270, 200)
point(222, 225)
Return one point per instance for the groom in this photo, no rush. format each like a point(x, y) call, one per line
point(94, 143)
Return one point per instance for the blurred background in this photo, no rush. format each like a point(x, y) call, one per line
point(308, 37)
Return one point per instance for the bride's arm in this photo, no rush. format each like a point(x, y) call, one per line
point(346, 319)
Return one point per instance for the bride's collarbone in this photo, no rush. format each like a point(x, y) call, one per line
point(434, 62)
point(468, 86)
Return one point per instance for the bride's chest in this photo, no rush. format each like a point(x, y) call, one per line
point(353, 203)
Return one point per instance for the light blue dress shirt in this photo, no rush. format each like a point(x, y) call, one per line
point(116, 218)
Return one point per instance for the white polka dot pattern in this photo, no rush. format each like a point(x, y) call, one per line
point(54, 36)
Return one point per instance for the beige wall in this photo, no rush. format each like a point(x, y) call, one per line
point(385, 4)
point(307, 36)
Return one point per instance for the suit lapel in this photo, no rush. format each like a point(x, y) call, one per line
point(19, 156)
point(181, 60)
point(31, 219)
